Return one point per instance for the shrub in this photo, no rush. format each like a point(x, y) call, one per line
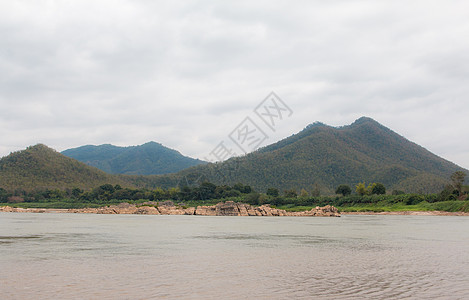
point(413, 199)
point(15, 199)
point(253, 198)
point(343, 189)
point(272, 192)
point(378, 189)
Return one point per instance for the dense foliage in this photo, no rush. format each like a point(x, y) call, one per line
point(210, 193)
point(146, 159)
point(311, 163)
point(321, 157)
point(39, 167)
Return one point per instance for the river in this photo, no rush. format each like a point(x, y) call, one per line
point(88, 256)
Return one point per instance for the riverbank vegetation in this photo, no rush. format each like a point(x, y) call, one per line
point(374, 197)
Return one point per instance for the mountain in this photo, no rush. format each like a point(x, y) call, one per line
point(39, 167)
point(319, 157)
point(322, 157)
point(146, 159)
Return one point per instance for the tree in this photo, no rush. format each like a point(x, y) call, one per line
point(272, 192)
point(361, 189)
point(343, 189)
point(76, 192)
point(245, 189)
point(398, 192)
point(290, 193)
point(207, 190)
point(378, 189)
point(457, 179)
point(370, 188)
point(316, 191)
point(252, 198)
point(303, 193)
point(3, 195)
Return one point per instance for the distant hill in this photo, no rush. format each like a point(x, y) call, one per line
point(146, 159)
point(323, 157)
point(40, 167)
point(319, 157)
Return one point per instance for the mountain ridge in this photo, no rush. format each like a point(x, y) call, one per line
point(40, 167)
point(319, 157)
point(150, 158)
point(324, 156)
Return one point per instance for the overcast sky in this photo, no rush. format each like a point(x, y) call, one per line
point(187, 73)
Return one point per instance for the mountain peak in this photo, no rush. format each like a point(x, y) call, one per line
point(364, 120)
point(39, 167)
point(324, 156)
point(147, 159)
point(40, 147)
point(151, 144)
point(316, 124)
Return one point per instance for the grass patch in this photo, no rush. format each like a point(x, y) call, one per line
point(60, 205)
point(293, 208)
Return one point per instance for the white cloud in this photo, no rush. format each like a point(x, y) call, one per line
point(186, 73)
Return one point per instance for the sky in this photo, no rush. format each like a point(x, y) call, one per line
point(196, 75)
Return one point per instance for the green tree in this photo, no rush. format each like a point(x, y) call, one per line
point(253, 198)
point(245, 189)
point(290, 193)
point(361, 189)
point(316, 191)
point(370, 188)
point(343, 189)
point(3, 195)
point(272, 192)
point(76, 192)
point(378, 189)
point(398, 192)
point(207, 190)
point(303, 193)
point(457, 180)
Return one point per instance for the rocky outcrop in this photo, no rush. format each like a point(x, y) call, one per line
point(228, 208)
point(206, 211)
point(326, 211)
point(231, 208)
point(19, 209)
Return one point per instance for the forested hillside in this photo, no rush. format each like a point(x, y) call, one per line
point(316, 160)
point(40, 167)
point(146, 159)
point(321, 157)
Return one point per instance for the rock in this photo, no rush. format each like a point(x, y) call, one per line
point(205, 211)
point(7, 209)
point(189, 211)
point(147, 210)
point(228, 208)
point(170, 210)
point(243, 209)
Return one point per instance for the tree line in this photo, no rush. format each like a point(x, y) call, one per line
point(372, 193)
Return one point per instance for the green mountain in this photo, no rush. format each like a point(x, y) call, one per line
point(322, 157)
point(319, 157)
point(146, 159)
point(39, 167)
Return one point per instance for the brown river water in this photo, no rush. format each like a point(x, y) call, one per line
point(86, 256)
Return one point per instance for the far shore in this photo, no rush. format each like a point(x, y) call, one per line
point(370, 213)
point(228, 208)
point(407, 213)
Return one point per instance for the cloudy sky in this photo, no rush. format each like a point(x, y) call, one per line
point(187, 73)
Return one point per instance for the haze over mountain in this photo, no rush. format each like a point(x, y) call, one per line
point(321, 156)
point(147, 159)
